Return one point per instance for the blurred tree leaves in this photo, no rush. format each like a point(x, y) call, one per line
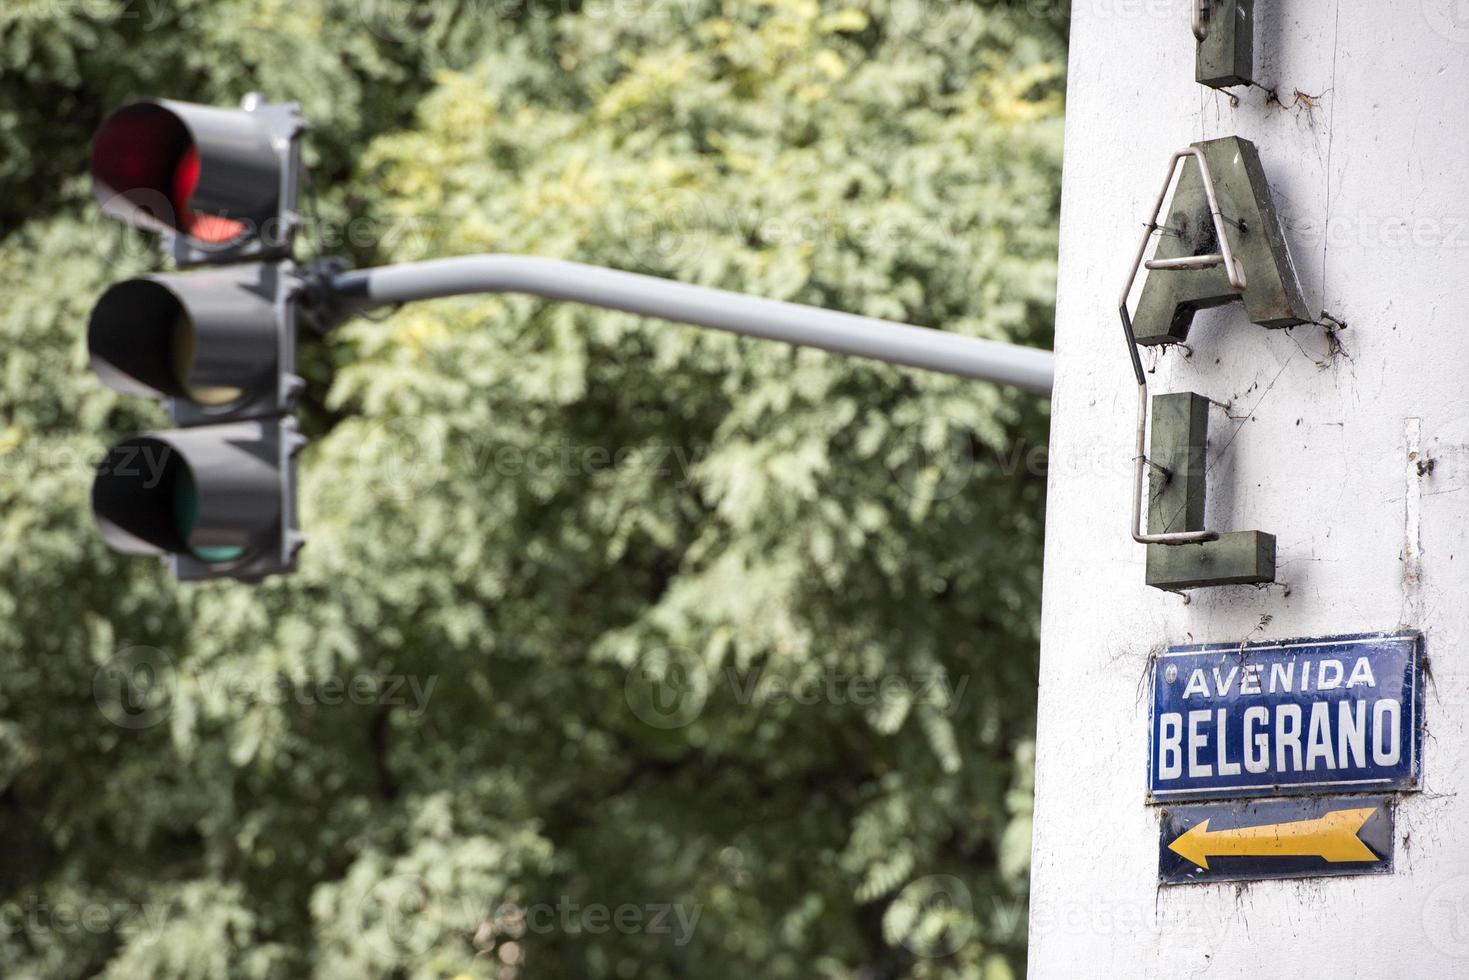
point(643, 617)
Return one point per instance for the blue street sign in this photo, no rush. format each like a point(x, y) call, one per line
point(1305, 837)
point(1331, 715)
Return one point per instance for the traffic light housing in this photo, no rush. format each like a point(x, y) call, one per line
point(215, 501)
point(217, 345)
point(219, 184)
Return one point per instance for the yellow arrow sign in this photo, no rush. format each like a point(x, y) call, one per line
point(1332, 837)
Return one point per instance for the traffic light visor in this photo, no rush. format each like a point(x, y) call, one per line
point(204, 336)
point(208, 174)
point(202, 493)
point(147, 501)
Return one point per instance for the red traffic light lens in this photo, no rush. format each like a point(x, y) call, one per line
point(146, 168)
point(207, 228)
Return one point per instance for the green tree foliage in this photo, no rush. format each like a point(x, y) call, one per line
point(619, 648)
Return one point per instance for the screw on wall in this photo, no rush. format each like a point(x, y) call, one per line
point(1336, 350)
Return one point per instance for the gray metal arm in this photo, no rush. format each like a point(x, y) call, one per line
point(1026, 368)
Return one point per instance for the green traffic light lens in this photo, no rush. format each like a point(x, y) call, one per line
point(186, 517)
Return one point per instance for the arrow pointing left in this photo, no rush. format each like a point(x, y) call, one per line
point(1332, 837)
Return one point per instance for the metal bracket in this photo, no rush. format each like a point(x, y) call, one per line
point(1225, 30)
point(1219, 255)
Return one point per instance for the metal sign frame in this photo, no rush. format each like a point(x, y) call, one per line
point(1404, 775)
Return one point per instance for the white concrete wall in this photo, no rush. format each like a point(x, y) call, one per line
point(1371, 173)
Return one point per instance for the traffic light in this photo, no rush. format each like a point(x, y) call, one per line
point(217, 499)
point(216, 496)
point(220, 184)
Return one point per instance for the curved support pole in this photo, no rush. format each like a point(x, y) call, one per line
point(1026, 368)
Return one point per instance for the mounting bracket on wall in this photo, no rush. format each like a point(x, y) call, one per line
point(1225, 30)
point(1221, 244)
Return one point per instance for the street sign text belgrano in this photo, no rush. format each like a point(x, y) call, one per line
point(1329, 715)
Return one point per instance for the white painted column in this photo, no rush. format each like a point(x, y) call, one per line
point(1367, 151)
